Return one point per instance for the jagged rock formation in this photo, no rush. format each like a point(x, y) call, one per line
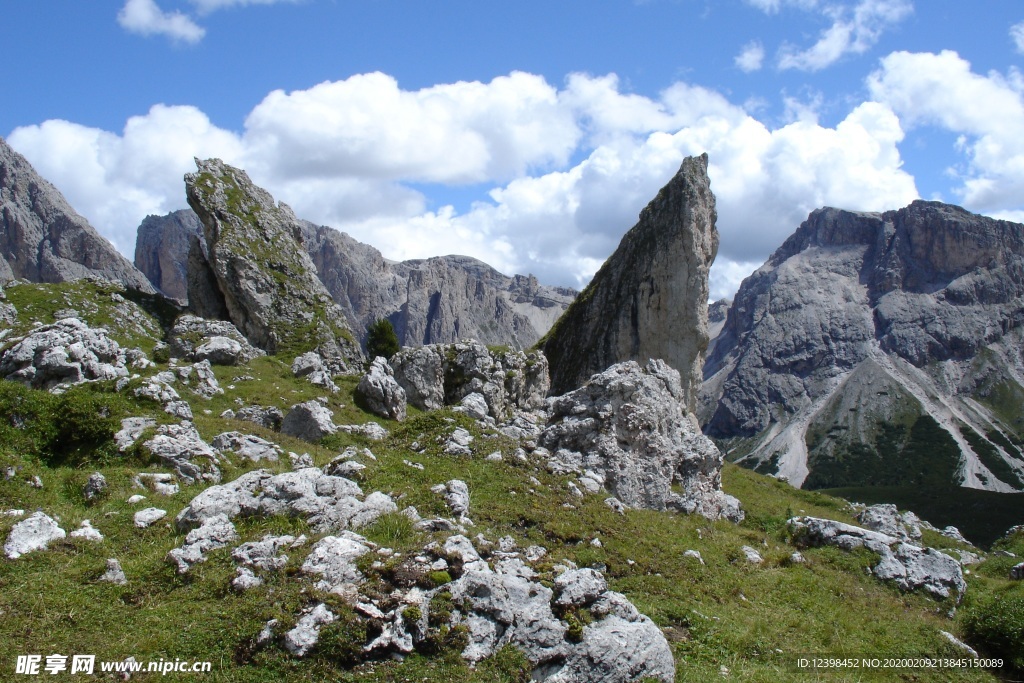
point(62, 354)
point(436, 300)
point(878, 349)
point(161, 250)
point(445, 374)
point(625, 430)
point(649, 300)
point(42, 239)
point(265, 279)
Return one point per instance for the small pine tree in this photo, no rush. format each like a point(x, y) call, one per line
point(381, 339)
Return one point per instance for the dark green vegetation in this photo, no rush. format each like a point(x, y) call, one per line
point(381, 339)
point(753, 620)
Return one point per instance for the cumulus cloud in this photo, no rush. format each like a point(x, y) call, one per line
point(561, 194)
point(146, 18)
point(854, 28)
point(751, 57)
point(986, 112)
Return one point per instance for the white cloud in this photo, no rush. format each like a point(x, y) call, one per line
point(987, 112)
point(325, 152)
point(1017, 34)
point(367, 127)
point(146, 18)
point(855, 28)
point(751, 57)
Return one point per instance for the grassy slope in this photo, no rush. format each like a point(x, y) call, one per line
point(724, 613)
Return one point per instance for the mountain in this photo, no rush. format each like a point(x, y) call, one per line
point(436, 300)
point(649, 299)
point(878, 349)
point(42, 239)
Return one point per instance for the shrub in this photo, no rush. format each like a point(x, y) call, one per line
point(996, 626)
point(381, 339)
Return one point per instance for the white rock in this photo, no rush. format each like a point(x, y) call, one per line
point(34, 533)
point(148, 517)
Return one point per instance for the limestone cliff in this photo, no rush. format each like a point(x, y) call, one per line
point(649, 299)
point(265, 278)
point(161, 250)
point(42, 239)
point(878, 348)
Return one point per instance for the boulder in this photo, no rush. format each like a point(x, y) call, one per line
point(333, 559)
point(626, 428)
point(252, 448)
point(113, 574)
point(301, 639)
point(310, 421)
point(94, 487)
point(380, 393)
point(886, 519)
point(217, 341)
point(215, 532)
point(34, 533)
point(181, 448)
point(148, 517)
point(271, 417)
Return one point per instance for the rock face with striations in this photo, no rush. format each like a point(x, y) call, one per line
point(878, 349)
point(42, 239)
point(649, 300)
point(161, 250)
point(436, 300)
point(264, 277)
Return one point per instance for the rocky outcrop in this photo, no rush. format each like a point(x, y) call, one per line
point(218, 341)
point(428, 301)
point(625, 430)
point(62, 354)
point(909, 566)
point(267, 280)
point(444, 374)
point(878, 349)
point(649, 300)
point(161, 250)
point(42, 239)
point(380, 393)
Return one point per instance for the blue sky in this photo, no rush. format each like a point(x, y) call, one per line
point(526, 134)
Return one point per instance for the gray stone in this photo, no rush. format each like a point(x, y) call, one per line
point(310, 421)
point(371, 430)
point(475, 405)
point(95, 486)
point(148, 517)
point(270, 417)
point(887, 519)
point(34, 533)
point(1017, 572)
point(751, 555)
point(131, 430)
point(86, 531)
point(62, 354)
point(694, 554)
point(333, 559)
point(215, 532)
point(617, 650)
point(301, 639)
point(114, 574)
point(458, 442)
point(181, 448)
point(627, 427)
point(579, 587)
point(379, 391)
point(266, 554)
point(250, 447)
point(217, 341)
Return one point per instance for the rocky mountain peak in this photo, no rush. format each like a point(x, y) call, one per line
point(256, 262)
point(42, 239)
point(649, 299)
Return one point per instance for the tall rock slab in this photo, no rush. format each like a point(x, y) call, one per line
point(42, 239)
point(161, 250)
point(266, 279)
point(878, 349)
point(650, 298)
